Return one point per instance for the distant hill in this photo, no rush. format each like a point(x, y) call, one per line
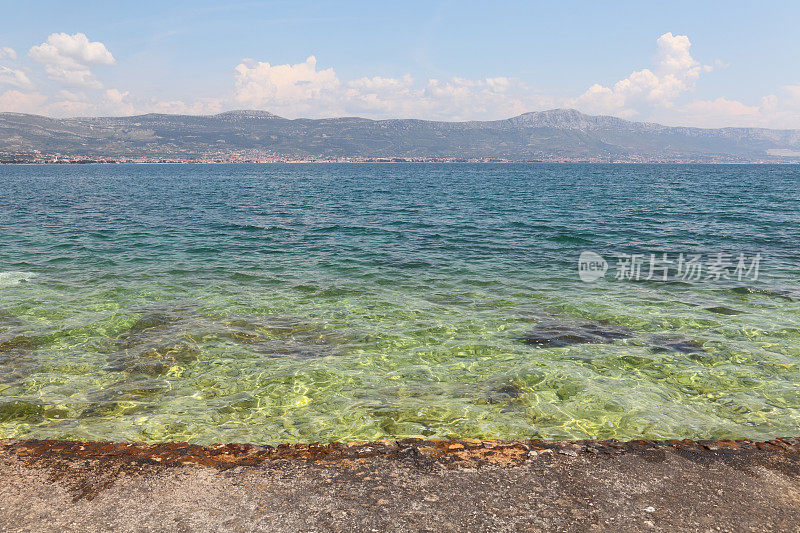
point(559, 134)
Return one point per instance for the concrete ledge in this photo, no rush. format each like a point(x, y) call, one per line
point(403, 485)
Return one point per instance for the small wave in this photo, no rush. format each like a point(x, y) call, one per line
point(8, 279)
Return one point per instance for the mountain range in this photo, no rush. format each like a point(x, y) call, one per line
point(555, 135)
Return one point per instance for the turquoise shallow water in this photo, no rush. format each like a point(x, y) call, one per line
point(298, 303)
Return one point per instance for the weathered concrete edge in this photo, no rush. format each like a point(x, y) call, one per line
point(451, 453)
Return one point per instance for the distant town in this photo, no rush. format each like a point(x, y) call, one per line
point(229, 158)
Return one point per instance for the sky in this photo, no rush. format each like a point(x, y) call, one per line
point(699, 63)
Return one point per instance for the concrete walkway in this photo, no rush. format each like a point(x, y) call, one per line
point(402, 486)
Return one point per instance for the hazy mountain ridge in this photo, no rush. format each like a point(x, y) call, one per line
point(559, 134)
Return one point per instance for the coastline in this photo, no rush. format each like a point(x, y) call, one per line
point(400, 485)
point(416, 162)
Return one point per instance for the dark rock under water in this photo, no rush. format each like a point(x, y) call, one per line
point(788, 295)
point(676, 344)
point(722, 310)
point(560, 334)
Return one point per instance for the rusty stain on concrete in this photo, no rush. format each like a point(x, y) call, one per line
point(404, 485)
point(90, 467)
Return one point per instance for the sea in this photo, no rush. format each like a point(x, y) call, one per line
point(274, 303)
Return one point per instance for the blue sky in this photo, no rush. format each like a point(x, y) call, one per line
point(693, 63)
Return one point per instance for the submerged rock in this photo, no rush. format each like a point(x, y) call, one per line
point(170, 338)
point(676, 344)
point(20, 342)
point(558, 334)
point(510, 391)
point(9, 320)
point(722, 310)
point(784, 294)
point(155, 360)
point(21, 411)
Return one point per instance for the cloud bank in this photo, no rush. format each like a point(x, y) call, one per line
point(674, 73)
point(303, 90)
point(67, 69)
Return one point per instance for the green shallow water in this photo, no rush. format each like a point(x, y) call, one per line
point(301, 303)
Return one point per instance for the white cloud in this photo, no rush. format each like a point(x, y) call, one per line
point(116, 96)
point(261, 83)
point(302, 90)
point(454, 99)
point(19, 102)
point(382, 95)
point(675, 72)
point(68, 58)
point(484, 99)
point(720, 112)
point(201, 106)
point(793, 92)
point(69, 108)
point(781, 110)
point(6, 52)
point(71, 51)
point(14, 78)
point(116, 102)
point(72, 96)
